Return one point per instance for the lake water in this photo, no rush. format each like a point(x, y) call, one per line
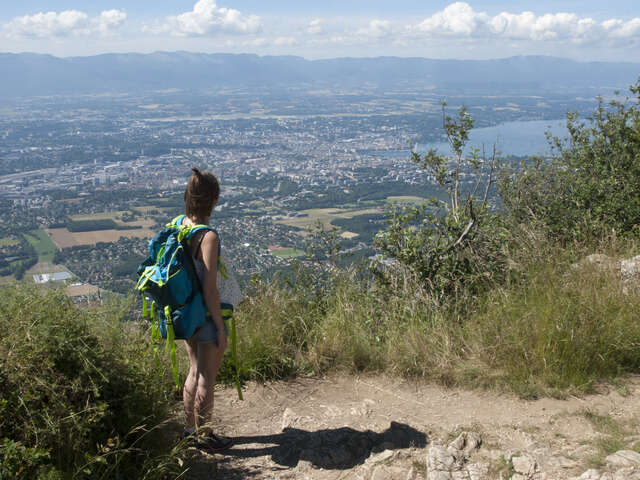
point(512, 138)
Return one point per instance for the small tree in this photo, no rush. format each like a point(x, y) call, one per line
point(449, 240)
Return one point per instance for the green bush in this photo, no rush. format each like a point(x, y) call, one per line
point(81, 390)
point(454, 242)
point(591, 185)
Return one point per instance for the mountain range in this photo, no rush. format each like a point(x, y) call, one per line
point(29, 74)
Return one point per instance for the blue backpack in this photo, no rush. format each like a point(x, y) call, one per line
point(168, 280)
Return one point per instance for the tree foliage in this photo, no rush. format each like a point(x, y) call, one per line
point(450, 241)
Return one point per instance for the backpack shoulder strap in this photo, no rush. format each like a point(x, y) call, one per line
point(176, 221)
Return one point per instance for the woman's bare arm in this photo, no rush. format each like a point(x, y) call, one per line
point(209, 251)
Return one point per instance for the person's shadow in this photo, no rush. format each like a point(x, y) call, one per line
point(336, 449)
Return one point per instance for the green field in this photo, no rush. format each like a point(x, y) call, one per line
point(288, 253)
point(8, 241)
point(45, 248)
point(407, 199)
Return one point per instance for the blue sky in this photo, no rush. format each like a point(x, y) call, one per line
point(587, 29)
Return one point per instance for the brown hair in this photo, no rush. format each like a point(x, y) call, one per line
point(201, 193)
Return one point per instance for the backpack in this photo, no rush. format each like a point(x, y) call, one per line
point(168, 280)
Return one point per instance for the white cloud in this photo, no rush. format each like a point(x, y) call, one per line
point(316, 27)
point(460, 20)
point(376, 28)
point(111, 20)
point(68, 22)
point(207, 18)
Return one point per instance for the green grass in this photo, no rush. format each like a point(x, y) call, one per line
point(288, 253)
point(44, 246)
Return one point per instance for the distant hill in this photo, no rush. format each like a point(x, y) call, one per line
point(29, 74)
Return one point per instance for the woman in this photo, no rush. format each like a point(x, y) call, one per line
point(207, 345)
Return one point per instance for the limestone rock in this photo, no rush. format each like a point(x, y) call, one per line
point(624, 458)
point(289, 418)
point(466, 442)
point(478, 471)
point(524, 465)
point(440, 460)
point(591, 474)
point(381, 457)
point(600, 261)
point(382, 472)
point(631, 473)
point(630, 268)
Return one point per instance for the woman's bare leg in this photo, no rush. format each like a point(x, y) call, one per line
point(190, 385)
point(209, 359)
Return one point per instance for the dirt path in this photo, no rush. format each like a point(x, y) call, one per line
point(346, 427)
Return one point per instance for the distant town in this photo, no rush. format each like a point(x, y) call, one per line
point(86, 180)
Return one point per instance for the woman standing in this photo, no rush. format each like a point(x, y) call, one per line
point(207, 345)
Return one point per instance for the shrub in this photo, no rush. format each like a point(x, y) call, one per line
point(453, 242)
point(80, 390)
point(591, 184)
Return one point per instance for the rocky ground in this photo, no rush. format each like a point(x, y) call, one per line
point(375, 428)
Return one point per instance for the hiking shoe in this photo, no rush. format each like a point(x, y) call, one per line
point(213, 443)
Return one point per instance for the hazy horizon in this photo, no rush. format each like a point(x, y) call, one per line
point(464, 30)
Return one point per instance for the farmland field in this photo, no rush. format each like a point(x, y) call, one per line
point(287, 253)
point(116, 216)
point(324, 216)
point(406, 199)
point(64, 238)
point(8, 241)
point(43, 245)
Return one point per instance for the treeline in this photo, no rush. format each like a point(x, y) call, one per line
point(17, 257)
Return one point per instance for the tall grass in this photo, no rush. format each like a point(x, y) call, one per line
point(81, 394)
point(553, 330)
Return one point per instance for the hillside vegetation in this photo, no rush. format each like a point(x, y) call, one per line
point(474, 291)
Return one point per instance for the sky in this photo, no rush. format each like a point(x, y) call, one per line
point(473, 29)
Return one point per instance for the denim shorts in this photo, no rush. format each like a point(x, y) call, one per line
point(208, 333)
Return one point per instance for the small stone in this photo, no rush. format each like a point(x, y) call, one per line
point(288, 418)
point(381, 457)
point(591, 474)
point(624, 458)
point(524, 464)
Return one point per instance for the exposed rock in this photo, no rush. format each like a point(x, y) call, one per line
point(440, 459)
point(466, 442)
point(630, 268)
point(631, 473)
point(478, 471)
point(381, 457)
point(599, 260)
point(560, 462)
point(524, 465)
point(624, 458)
point(288, 418)
point(382, 472)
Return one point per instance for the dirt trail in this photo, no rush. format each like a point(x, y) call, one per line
point(346, 427)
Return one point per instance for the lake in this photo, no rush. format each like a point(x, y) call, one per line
point(512, 138)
